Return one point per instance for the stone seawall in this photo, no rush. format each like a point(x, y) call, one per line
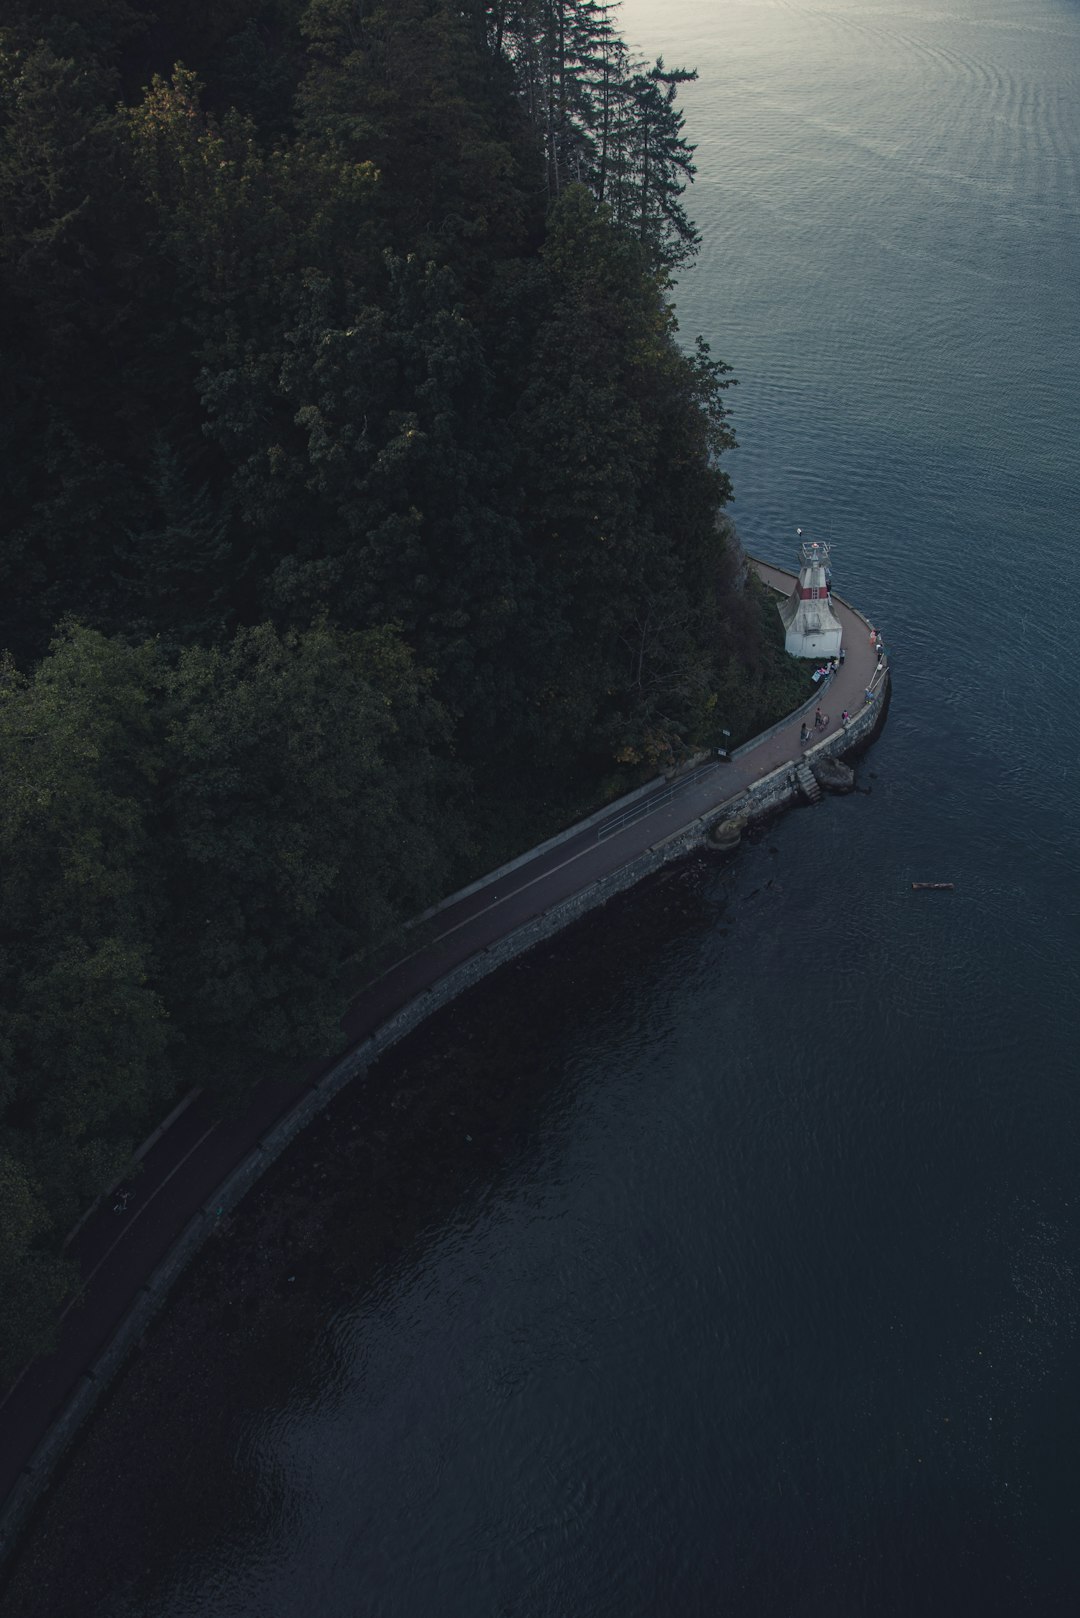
point(201, 1227)
point(780, 787)
point(760, 799)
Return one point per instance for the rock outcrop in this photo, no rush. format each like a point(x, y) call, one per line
point(833, 776)
point(727, 833)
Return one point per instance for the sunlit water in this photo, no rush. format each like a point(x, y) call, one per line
point(778, 1314)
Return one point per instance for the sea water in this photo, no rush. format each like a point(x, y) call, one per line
point(776, 1312)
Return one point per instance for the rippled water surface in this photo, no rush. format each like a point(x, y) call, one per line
point(775, 1311)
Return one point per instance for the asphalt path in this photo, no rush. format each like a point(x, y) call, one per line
point(119, 1246)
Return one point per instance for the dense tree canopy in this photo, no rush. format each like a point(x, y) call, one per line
point(348, 461)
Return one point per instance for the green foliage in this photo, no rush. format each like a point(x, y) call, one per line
point(172, 568)
point(628, 533)
point(33, 1280)
point(765, 682)
point(81, 1025)
point(343, 405)
point(403, 85)
point(193, 856)
point(604, 119)
point(269, 901)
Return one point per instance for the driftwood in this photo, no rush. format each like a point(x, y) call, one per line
point(936, 887)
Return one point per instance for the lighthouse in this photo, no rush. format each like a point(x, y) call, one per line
point(812, 628)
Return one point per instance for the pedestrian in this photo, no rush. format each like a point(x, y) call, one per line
point(868, 694)
point(844, 717)
point(880, 651)
point(817, 719)
point(804, 734)
point(843, 654)
point(873, 637)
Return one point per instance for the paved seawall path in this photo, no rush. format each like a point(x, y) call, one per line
point(127, 1256)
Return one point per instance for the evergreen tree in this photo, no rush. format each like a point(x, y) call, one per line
point(270, 902)
point(33, 1276)
point(661, 165)
point(84, 1034)
point(627, 590)
point(342, 400)
point(175, 566)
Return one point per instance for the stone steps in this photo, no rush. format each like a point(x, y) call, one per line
point(808, 786)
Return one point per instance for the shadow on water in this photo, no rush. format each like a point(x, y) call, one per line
point(467, 1104)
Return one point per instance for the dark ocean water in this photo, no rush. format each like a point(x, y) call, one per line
point(777, 1311)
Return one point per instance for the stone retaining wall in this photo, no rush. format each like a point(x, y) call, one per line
point(36, 1476)
point(761, 798)
point(780, 787)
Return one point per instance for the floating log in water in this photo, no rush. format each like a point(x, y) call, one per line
point(936, 887)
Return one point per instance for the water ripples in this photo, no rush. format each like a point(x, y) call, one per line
point(777, 1310)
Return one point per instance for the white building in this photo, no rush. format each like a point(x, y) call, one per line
point(812, 628)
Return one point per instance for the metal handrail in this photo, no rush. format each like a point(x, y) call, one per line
point(647, 805)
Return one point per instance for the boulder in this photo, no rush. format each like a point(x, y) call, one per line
point(727, 833)
point(833, 776)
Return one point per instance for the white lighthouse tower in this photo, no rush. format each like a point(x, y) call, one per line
point(813, 629)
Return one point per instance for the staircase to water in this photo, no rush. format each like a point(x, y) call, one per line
point(808, 786)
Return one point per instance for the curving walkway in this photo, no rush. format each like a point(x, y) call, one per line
point(118, 1252)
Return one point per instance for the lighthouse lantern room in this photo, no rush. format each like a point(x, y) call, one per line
point(811, 627)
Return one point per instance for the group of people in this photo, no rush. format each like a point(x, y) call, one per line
point(821, 721)
point(831, 667)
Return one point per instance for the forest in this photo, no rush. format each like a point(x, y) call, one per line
point(362, 519)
